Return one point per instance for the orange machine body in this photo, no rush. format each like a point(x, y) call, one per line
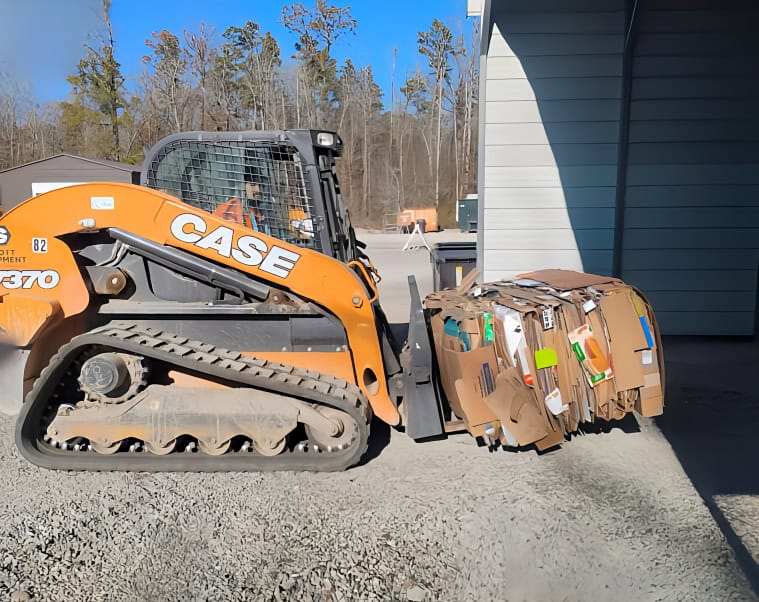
point(41, 283)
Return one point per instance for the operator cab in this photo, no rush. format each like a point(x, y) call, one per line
point(283, 183)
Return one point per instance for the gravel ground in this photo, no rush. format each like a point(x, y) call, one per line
point(611, 516)
point(743, 513)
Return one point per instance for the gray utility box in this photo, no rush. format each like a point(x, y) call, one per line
point(451, 261)
point(466, 214)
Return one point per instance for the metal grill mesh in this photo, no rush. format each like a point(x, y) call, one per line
point(256, 183)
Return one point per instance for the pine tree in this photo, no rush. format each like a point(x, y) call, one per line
point(99, 94)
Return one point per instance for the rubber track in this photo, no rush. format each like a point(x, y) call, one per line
point(201, 358)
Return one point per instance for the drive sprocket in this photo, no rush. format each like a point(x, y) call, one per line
point(112, 377)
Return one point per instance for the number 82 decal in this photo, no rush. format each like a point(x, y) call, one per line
point(13, 279)
point(39, 245)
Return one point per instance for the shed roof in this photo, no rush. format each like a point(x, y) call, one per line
point(104, 162)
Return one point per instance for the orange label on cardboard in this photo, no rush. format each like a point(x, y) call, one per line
point(588, 352)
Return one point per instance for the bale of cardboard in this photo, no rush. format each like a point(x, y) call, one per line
point(527, 361)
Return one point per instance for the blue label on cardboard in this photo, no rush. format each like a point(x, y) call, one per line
point(647, 331)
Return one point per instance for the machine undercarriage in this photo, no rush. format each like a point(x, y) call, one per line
point(98, 405)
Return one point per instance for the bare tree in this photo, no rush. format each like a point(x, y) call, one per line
point(10, 98)
point(422, 147)
point(417, 93)
point(226, 94)
point(318, 28)
point(436, 44)
point(322, 22)
point(169, 64)
point(256, 57)
point(200, 57)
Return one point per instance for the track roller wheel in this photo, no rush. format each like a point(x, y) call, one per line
point(269, 448)
point(160, 450)
point(326, 441)
point(214, 450)
point(104, 448)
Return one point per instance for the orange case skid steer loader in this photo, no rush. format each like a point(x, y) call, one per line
point(238, 328)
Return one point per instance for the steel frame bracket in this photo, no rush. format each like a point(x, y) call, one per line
point(424, 409)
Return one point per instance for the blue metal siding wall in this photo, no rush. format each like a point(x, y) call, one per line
point(691, 222)
point(549, 164)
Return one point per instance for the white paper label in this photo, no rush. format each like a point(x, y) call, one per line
point(555, 404)
point(547, 318)
point(528, 282)
point(102, 202)
point(512, 327)
point(647, 357)
point(510, 439)
point(589, 306)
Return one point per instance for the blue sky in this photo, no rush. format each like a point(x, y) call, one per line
point(42, 40)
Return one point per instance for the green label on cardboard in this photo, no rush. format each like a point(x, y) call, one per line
point(597, 378)
point(578, 351)
point(545, 358)
point(488, 318)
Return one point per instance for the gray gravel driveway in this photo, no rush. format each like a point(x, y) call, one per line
point(611, 516)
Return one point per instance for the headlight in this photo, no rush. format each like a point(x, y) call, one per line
point(325, 139)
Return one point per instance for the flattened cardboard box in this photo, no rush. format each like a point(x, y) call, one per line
point(460, 375)
point(485, 386)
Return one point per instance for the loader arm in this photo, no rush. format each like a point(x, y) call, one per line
point(41, 283)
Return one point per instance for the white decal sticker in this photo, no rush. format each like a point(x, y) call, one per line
point(13, 279)
point(5, 235)
point(178, 227)
point(39, 245)
point(102, 202)
point(279, 261)
point(547, 318)
point(220, 240)
point(248, 250)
